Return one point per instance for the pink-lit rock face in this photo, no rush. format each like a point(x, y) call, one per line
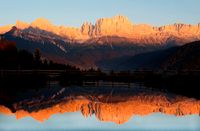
point(118, 109)
point(116, 26)
point(119, 26)
point(4, 29)
point(21, 25)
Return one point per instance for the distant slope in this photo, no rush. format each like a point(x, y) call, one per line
point(145, 61)
point(187, 57)
point(99, 55)
point(85, 55)
point(30, 39)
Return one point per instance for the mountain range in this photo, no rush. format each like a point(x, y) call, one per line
point(119, 26)
point(97, 45)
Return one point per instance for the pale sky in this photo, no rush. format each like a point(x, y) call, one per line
point(75, 12)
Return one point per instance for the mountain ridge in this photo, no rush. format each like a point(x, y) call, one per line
point(93, 46)
point(119, 26)
point(55, 47)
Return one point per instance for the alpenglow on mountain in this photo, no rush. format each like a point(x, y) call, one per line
point(119, 27)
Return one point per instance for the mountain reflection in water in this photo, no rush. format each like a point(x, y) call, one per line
point(130, 107)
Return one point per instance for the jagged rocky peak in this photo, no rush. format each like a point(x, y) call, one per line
point(21, 25)
point(180, 28)
point(117, 25)
point(4, 29)
point(42, 23)
point(87, 28)
point(14, 31)
point(118, 19)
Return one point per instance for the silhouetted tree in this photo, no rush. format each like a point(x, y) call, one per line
point(25, 59)
point(8, 53)
point(45, 64)
point(37, 56)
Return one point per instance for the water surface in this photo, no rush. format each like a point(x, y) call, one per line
point(76, 122)
point(118, 107)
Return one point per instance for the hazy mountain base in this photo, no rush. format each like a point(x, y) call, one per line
point(151, 60)
point(84, 56)
point(186, 57)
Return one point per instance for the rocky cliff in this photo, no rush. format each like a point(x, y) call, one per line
point(119, 26)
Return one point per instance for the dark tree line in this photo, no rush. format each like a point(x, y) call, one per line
point(12, 58)
point(180, 82)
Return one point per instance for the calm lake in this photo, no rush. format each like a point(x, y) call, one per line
point(106, 107)
point(76, 122)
